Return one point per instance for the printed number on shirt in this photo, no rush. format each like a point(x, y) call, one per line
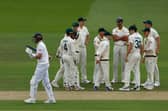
point(65, 46)
point(137, 42)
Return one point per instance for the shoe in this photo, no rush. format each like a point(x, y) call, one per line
point(124, 88)
point(55, 84)
point(149, 86)
point(157, 84)
point(109, 88)
point(144, 84)
point(79, 88)
point(136, 88)
point(68, 88)
point(30, 100)
point(114, 81)
point(133, 82)
point(95, 88)
point(86, 81)
point(50, 101)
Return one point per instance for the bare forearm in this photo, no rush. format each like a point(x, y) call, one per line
point(87, 40)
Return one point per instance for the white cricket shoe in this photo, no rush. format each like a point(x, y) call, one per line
point(157, 84)
point(136, 88)
point(55, 84)
point(50, 101)
point(79, 88)
point(145, 83)
point(30, 100)
point(124, 88)
point(86, 81)
point(109, 88)
point(133, 82)
point(114, 81)
point(149, 86)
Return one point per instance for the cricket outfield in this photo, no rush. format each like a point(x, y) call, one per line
point(20, 19)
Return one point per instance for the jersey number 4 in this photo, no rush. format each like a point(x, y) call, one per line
point(65, 46)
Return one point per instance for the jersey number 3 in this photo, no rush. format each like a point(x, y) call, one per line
point(137, 43)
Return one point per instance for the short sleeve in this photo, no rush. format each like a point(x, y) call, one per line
point(130, 39)
point(87, 32)
point(126, 32)
point(155, 34)
point(114, 32)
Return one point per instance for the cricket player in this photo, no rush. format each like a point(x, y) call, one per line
point(41, 72)
point(77, 40)
point(97, 41)
point(133, 58)
point(102, 59)
point(83, 52)
point(154, 33)
point(68, 57)
point(120, 37)
point(150, 56)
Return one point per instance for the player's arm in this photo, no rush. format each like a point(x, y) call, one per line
point(116, 38)
point(87, 40)
point(38, 56)
point(158, 45)
point(124, 38)
point(129, 48)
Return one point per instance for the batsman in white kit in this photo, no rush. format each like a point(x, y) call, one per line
point(155, 35)
point(102, 59)
point(150, 57)
point(133, 57)
point(41, 72)
point(120, 37)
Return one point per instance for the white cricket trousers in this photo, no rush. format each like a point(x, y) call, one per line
point(150, 63)
point(83, 62)
point(156, 73)
point(119, 53)
point(68, 64)
point(104, 66)
point(96, 72)
point(41, 74)
point(133, 64)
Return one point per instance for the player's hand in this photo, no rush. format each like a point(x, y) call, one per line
point(28, 51)
point(97, 61)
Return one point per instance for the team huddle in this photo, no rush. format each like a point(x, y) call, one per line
point(129, 50)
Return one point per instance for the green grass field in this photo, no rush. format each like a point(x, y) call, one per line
point(86, 106)
point(20, 19)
